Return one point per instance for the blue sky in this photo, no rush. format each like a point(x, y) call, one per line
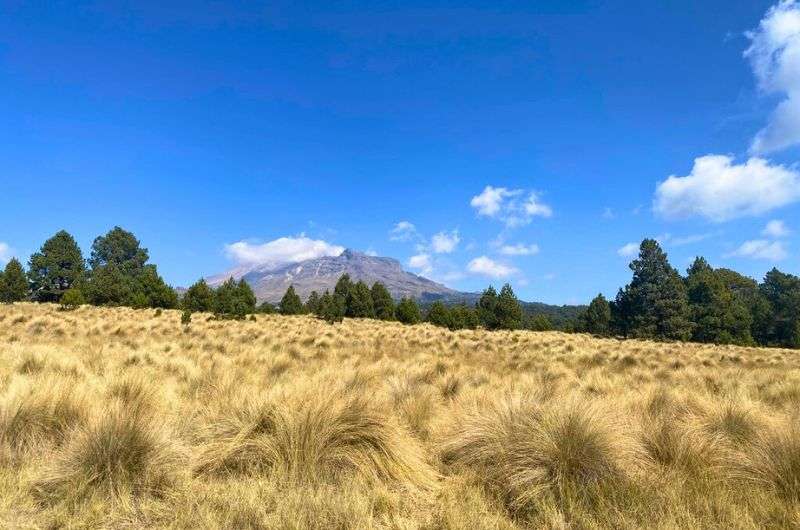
point(537, 141)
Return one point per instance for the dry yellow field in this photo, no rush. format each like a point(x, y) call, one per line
point(118, 418)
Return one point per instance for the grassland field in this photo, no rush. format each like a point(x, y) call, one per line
point(122, 418)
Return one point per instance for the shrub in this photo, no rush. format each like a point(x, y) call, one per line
point(72, 299)
point(438, 315)
point(186, 317)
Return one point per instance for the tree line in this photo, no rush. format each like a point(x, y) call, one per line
point(707, 305)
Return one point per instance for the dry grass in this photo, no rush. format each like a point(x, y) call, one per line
point(115, 418)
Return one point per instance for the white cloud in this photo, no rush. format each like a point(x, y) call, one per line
point(519, 250)
point(629, 250)
point(5, 252)
point(371, 252)
point(491, 199)
point(775, 229)
point(488, 267)
point(686, 240)
point(720, 190)
point(760, 249)
point(774, 55)
point(403, 231)
point(280, 251)
point(509, 207)
point(445, 243)
point(421, 262)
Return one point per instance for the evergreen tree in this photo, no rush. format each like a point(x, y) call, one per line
point(540, 322)
point(622, 313)
point(746, 292)
point(508, 311)
point(463, 317)
point(782, 291)
point(234, 300)
point(267, 308)
point(121, 248)
point(156, 292)
point(342, 290)
point(717, 315)
point(15, 284)
point(407, 311)
point(290, 303)
point(331, 308)
point(382, 302)
point(438, 315)
point(486, 308)
point(359, 302)
point(312, 304)
point(109, 286)
point(659, 306)
point(199, 297)
point(57, 267)
point(597, 317)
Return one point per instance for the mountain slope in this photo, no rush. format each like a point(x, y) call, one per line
point(322, 273)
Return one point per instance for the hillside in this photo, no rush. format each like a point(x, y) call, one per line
point(122, 418)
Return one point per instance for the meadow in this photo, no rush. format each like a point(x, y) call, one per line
point(122, 418)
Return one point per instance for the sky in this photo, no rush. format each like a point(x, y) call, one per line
point(535, 143)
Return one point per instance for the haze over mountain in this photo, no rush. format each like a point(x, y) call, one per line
point(269, 282)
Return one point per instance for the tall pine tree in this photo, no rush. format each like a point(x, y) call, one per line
point(57, 267)
point(15, 284)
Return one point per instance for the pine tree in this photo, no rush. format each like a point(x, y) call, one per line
point(718, 316)
point(657, 296)
point(382, 302)
point(597, 317)
point(121, 248)
point(199, 297)
point(267, 308)
point(290, 303)
point(109, 286)
point(508, 311)
point(540, 322)
point(359, 302)
point(57, 267)
point(15, 284)
point(486, 308)
point(782, 291)
point(463, 317)
point(156, 292)
point(438, 315)
point(312, 304)
point(234, 300)
point(407, 311)
point(331, 308)
point(622, 313)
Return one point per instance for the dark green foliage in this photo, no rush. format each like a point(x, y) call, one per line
point(234, 300)
point(718, 315)
point(407, 311)
point(109, 286)
point(120, 274)
point(199, 297)
point(540, 322)
point(155, 290)
point(267, 308)
point(382, 302)
point(597, 317)
point(312, 304)
point(656, 297)
point(186, 317)
point(508, 311)
point(486, 307)
point(331, 308)
point(359, 302)
point(290, 303)
point(118, 247)
point(782, 291)
point(57, 267)
point(72, 299)
point(343, 287)
point(438, 315)
point(463, 317)
point(621, 314)
point(14, 287)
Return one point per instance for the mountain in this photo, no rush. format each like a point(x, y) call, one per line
point(319, 274)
